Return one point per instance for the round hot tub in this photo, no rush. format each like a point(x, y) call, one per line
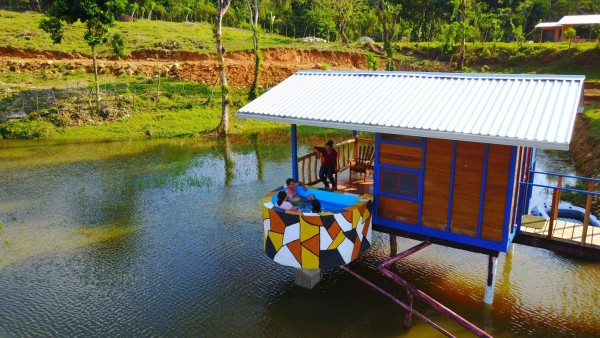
point(307, 240)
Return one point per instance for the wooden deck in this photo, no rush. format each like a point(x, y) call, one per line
point(358, 185)
point(565, 231)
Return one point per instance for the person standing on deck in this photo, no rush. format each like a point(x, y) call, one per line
point(328, 164)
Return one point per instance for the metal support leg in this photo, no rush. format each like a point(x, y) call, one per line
point(393, 245)
point(408, 317)
point(488, 297)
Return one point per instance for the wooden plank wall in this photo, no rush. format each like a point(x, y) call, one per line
point(468, 183)
point(496, 188)
point(400, 156)
point(436, 189)
point(398, 210)
point(468, 177)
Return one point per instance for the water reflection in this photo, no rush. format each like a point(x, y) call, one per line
point(260, 165)
point(153, 238)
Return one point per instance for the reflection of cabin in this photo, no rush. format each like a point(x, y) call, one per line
point(555, 31)
point(450, 148)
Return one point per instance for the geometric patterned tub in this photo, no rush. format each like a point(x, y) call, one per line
point(315, 241)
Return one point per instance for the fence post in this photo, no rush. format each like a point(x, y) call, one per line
point(588, 209)
point(554, 208)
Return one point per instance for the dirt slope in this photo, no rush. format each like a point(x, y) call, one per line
point(278, 64)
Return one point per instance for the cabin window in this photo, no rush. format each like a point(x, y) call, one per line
point(398, 182)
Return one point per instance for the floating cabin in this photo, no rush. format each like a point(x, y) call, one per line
point(450, 149)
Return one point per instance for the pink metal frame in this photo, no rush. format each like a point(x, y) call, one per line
point(413, 291)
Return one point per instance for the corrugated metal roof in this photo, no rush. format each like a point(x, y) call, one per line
point(528, 110)
point(547, 24)
point(580, 20)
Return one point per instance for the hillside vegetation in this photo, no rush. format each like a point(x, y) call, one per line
point(21, 31)
point(51, 83)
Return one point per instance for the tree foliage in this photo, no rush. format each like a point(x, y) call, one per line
point(97, 16)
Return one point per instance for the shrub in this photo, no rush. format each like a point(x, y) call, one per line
point(449, 39)
point(371, 61)
point(27, 129)
point(118, 45)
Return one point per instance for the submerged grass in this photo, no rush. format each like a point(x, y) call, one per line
point(105, 233)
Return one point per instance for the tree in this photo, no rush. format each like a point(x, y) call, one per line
point(151, 5)
point(388, 15)
point(570, 34)
point(253, 18)
point(340, 11)
point(97, 16)
point(222, 6)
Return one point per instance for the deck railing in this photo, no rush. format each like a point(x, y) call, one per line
point(309, 164)
point(555, 202)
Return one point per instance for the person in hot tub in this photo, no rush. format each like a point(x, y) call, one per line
point(282, 203)
point(290, 190)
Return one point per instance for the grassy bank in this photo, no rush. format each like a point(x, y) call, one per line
point(593, 114)
point(184, 109)
point(20, 30)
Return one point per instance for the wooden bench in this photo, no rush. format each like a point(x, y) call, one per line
point(363, 161)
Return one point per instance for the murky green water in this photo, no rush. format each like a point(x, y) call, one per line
point(163, 238)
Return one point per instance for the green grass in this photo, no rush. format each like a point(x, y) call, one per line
point(183, 111)
point(593, 114)
point(140, 35)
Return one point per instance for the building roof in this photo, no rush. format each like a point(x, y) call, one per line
point(528, 110)
point(547, 25)
point(580, 20)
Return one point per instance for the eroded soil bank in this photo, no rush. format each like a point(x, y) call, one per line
point(585, 152)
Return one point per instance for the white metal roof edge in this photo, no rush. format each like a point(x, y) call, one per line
point(580, 20)
point(548, 25)
point(443, 75)
point(410, 132)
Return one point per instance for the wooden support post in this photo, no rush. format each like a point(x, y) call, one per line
point(408, 316)
point(554, 207)
point(309, 169)
point(588, 210)
point(303, 177)
point(488, 297)
point(393, 245)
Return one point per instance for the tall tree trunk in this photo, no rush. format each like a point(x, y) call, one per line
point(96, 80)
point(253, 12)
point(342, 29)
point(387, 46)
point(461, 51)
point(223, 126)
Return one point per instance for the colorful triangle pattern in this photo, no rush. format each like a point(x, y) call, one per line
point(313, 242)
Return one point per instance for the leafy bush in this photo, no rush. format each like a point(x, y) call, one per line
point(371, 61)
point(27, 129)
point(118, 45)
point(449, 39)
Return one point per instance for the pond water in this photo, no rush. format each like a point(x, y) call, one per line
point(164, 238)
